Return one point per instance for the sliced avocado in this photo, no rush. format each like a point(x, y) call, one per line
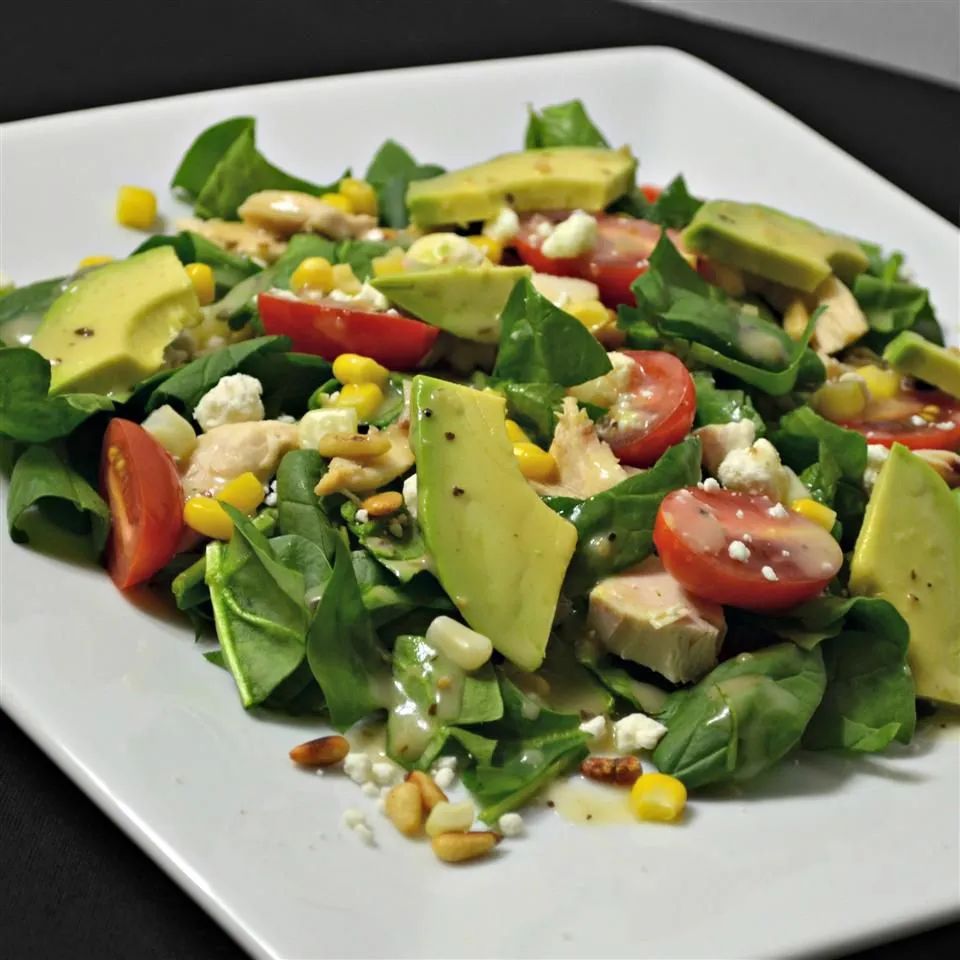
point(772, 244)
point(108, 330)
point(908, 553)
point(909, 353)
point(500, 552)
point(464, 301)
point(561, 178)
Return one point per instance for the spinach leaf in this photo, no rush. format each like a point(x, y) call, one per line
point(539, 343)
point(289, 380)
point(260, 610)
point(612, 673)
point(742, 717)
point(27, 411)
point(229, 269)
point(535, 406)
point(715, 405)
point(418, 724)
point(892, 306)
point(299, 509)
point(22, 309)
point(41, 477)
point(881, 265)
point(386, 599)
point(186, 386)
point(562, 125)
point(615, 527)
point(206, 152)
point(675, 207)
point(390, 172)
point(343, 650)
point(360, 254)
point(405, 555)
point(300, 246)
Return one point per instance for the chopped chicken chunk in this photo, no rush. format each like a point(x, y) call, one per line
point(238, 237)
point(945, 462)
point(362, 476)
point(286, 212)
point(644, 615)
point(719, 439)
point(234, 448)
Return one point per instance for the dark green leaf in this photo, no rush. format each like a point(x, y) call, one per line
point(299, 508)
point(562, 125)
point(804, 437)
point(891, 307)
point(674, 208)
point(390, 172)
point(405, 555)
point(22, 309)
point(715, 405)
point(386, 599)
point(206, 152)
point(360, 254)
point(289, 380)
point(229, 269)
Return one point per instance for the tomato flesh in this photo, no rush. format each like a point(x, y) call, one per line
point(140, 482)
point(330, 329)
point(621, 253)
point(899, 420)
point(655, 413)
point(782, 559)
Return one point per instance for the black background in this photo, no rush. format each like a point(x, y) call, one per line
point(72, 884)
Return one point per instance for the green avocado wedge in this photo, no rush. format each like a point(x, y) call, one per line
point(911, 354)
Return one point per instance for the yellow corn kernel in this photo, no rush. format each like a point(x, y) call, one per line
point(841, 399)
point(795, 318)
point(352, 368)
point(515, 432)
point(136, 207)
point(362, 197)
point(930, 413)
point(95, 260)
point(658, 796)
point(882, 384)
point(490, 248)
point(201, 276)
point(337, 200)
point(591, 313)
point(314, 273)
point(389, 264)
point(534, 463)
point(245, 492)
point(821, 515)
point(345, 279)
point(207, 517)
point(365, 398)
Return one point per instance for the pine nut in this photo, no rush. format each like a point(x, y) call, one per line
point(353, 446)
point(457, 847)
point(430, 792)
point(322, 752)
point(450, 818)
point(383, 504)
point(404, 807)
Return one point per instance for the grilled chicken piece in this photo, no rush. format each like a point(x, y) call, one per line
point(362, 476)
point(286, 212)
point(240, 238)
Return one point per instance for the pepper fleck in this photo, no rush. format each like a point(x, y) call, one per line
point(427, 412)
point(450, 435)
point(432, 709)
point(550, 803)
point(913, 574)
point(611, 536)
point(83, 332)
point(458, 491)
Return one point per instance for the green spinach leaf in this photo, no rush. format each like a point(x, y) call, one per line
point(228, 268)
point(675, 207)
point(22, 309)
point(892, 306)
point(562, 125)
point(715, 405)
point(299, 509)
point(390, 172)
point(405, 555)
point(387, 600)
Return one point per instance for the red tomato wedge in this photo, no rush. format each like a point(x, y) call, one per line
point(140, 482)
point(618, 258)
point(920, 420)
point(655, 413)
point(329, 329)
point(778, 558)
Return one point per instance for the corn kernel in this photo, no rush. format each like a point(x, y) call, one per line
point(201, 276)
point(345, 279)
point(515, 432)
point(365, 398)
point(534, 463)
point(820, 514)
point(591, 313)
point(882, 384)
point(207, 517)
point(95, 260)
point(136, 207)
point(658, 796)
point(930, 413)
point(490, 248)
point(841, 400)
point(337, 200)
point(245, 492)
point(389, 264)
point(353, 368)
point(314, 273)
point(795, 319)
point(362, 197)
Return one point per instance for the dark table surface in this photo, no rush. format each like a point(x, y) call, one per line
point(73, 885)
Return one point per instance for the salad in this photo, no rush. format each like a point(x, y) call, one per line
point(509, 472)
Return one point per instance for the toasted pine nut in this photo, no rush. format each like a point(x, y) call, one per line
point(322, 752)
point(383, 504)
point(430, 793)
point(622, 771)
point(450, 818)
point(404, 806)
point(353, 446)
point(457, 847)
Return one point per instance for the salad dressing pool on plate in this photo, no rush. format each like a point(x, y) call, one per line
point(585, 803)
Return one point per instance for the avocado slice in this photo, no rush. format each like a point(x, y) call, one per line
point(908, 552)
point(464, 301)
point(560, 178)
point(108, 329)
point(772, 244)
point(909, 353)
point(499, 551)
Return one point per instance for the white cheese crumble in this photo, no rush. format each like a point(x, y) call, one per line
point(778, 510)
point(357, 766)
point(769, 573)
point(270, 499)
point(367, 298)
point(441, 763)
point(595, 728)
point(370, 789)
point(443, 250)
point(756, 469)
point(575, 235)
point(510, 825)
point(637, 732)
point(739, 551)
point(503, 226)
point(385, 773)
point(356, 821)
point(877, 455)
point(710, 485)
point(235, 399)
point(444, 777)
point(410, 495)
point(362, 516)
point(604, 391)
point(740, 514)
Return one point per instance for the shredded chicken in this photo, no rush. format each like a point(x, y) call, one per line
point(242, 238)
point(362, 476)
point(839, 325)
point(226, 452)
point(945, 462)
point(286, 212)
point(585, 464)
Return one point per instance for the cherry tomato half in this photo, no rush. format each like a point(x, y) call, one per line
point(140, 482)
point(655, 413)
point(743, 550)
point(329, 329)
point(920, 420)
point(618, 258)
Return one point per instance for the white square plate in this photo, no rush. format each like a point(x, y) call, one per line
point(826, 853)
